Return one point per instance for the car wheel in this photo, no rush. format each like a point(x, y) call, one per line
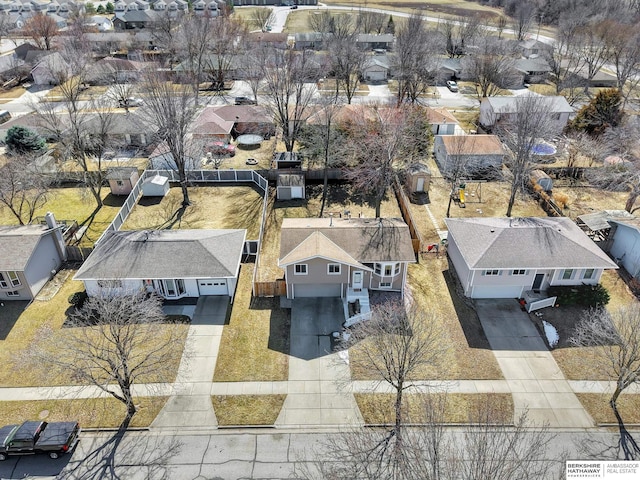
point(3, 457)
point(54, 455)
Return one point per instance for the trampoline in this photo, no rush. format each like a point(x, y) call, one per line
point(249, 140)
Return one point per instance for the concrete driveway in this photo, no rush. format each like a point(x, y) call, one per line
point(312, 321)
point(537, 384)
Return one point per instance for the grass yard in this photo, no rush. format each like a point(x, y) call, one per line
point(341, 197)
point(585, 199)
point(255, 343)
point(11, 94)
point(597, 405)
point(467, 117)
point(488, 199)
point(469, 357)
point(572, 360)
point(24, 334)
point(89, 412)
point(263, 155)
point(76, 204)
point(236, 410)
point(212, 206)
point(377, 408)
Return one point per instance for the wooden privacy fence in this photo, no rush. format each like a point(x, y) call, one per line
point(270, 289)
point(77, 254)
point(403, 201)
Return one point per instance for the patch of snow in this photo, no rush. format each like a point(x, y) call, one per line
point(551, 333)
point(344, 356)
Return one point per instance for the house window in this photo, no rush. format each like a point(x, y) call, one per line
point(492, 273)
point(13, 294)
point(567, 274)
point(300, 269)
point(120, 183)
point(333, 269)
point(518, 272)
point(171, 288)
point(588, 273)
point(387, 269)
point(11, 278)
point(385, 284)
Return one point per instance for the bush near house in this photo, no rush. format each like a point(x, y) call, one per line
point(585, 295)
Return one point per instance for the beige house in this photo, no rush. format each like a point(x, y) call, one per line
point(335, 257)
point(476, 154)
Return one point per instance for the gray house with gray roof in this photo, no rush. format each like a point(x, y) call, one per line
point(172, 263)
point(506, 257)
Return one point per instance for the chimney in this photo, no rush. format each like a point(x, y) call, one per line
point(61, 246)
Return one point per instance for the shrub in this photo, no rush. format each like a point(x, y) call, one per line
point(585, 295)
point(23, 140)
point(77, 299)
point(561, 199)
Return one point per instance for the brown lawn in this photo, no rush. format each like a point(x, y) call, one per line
point(211, 206)
point(597, 405)
point(247, 409)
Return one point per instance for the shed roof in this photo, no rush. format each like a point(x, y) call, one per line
point(525, 243)
point(599, 220)
point(152, 254)
point(556, 104)
point(472, 144)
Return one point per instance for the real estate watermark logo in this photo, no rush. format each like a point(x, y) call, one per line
point(577, 469)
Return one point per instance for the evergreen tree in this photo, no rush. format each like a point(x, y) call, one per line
point(23, 140)
point(109, 7)
point(602, 112)
point(391, 27)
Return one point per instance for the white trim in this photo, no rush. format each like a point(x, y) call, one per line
point(329, 265)
point(306, 268)
point(590, 277)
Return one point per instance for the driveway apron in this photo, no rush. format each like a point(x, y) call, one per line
point(536, 382)
point(318, 392)
point(190, 406)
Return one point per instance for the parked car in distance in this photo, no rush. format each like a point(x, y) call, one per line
point(251, 161)
point(451, 85)
point(130, 102)
point(34, 437)
point(294, 7)
point(245, 101)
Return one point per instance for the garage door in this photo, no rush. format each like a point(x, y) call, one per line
point(213, 287)
point(497, 291)
point(327, 290)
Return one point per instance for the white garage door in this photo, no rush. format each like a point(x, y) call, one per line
point(497, 291)
point(213, 287)
point(296, 192)
point(327, 290)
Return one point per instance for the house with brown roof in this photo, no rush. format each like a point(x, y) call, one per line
point(442, 121)
point(223, 122)
point(344, 257)
point(480, 154)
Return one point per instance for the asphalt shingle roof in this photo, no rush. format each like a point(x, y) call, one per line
point(525, 243)
point(17, 245)
point(365, 240)
point(151, 254)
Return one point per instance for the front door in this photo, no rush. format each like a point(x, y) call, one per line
point(420, 186)
point(537, 281)
point(356, 281)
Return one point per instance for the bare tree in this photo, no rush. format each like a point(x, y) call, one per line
point(260, 16)
point(116, 341)
point(321, 22)
point(491, 67)
point(170, 109)
point(5, 26)
point(530, 122)
point(523, 18)
point(41, 29)
point(288, 84)
point(416, 58)
point(491, 448)
point(613, 339)
point(196, 32)
point(347, 59)
point(458, 34)
point(23, 189)
point(222, 49)
point(371, 22)
point(592, 48)
point(252, 65)
point(623, 40)
point(458, 164)
point(165, 31)
point(398, 345)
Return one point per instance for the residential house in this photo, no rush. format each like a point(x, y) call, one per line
point(268, 39)
point(482, 155)
point(625, 245)
point(31, 255)
point(506, 257)
point(339, 257)
point(134, 19)
point(532, 70)
point(122, 129)
point(449, 69)
point(532, 48)
point(110, 70)
point(442, 121)
point(172, 263)
point(369, 41)
point(52, 69)
point(310, 40)
point(99, 22)
point(239, 3)
point(209, 125)
point(501, 110)
point(376, 68)
point(30, 121)
point(233, 120)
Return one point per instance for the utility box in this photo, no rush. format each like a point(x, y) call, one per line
point(122, 180)
point(418, 178)
point(157, 186)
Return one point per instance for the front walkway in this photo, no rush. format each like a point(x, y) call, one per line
point(536, 382)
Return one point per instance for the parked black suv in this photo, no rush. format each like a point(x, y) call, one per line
point(245, 101)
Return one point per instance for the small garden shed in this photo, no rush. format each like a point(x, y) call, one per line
point(122, 180)
point(290, 186)
point(157, 186)
point(418, 178)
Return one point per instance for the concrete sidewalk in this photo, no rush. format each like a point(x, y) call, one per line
point(536, 382)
